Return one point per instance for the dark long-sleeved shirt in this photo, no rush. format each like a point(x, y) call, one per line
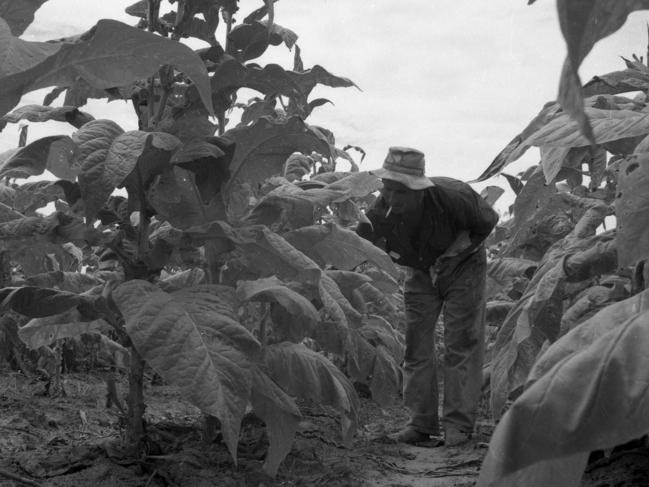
point(448, 208)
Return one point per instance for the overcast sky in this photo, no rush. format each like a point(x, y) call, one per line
point(456, 79)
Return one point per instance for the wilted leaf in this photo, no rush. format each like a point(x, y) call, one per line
point(40, 332)
point(36, 302)
point(586, 333)
point(280, 414)
point(617, 82)
point(272, 289)
point(343, 249)
point(592, 399)
point(292, 205)
point(536, 317)
point(607, 126)
point(265, 252)
point(34, 195)
point(74, 282)
point(39, 113)
point(518, 146)
point(19, 14)
point(307, 374)
point(587, 303)
point(54, 153)
point(190, 338)
point(111, 54)
point(179, 280)
point(356, 185)
point(335, 306)
point(504, 269)
point(386, 378)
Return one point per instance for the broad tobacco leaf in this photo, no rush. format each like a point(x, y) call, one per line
point(374, 358)
point(307, 374)
point(583, 23)
point(111, 54)
point(263, 147)
point(193, 340)
point(176, 198)
point(54, 153)
point(19, 14)
point(632, 209)
point(278, 410)
point(592, 398)
point(272, 289)
point(343, 249)
point(109, 158)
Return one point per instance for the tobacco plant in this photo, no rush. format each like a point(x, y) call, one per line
point(568, 369)
point(226, 262)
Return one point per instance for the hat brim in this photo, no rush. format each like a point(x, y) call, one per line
point(412, 182)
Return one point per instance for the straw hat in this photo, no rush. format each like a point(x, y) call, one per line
point(406, 166)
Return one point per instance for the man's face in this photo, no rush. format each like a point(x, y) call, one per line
point(402, 199)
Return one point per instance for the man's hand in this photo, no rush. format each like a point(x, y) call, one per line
point(461, 243)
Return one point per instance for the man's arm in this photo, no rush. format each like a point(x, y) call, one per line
point(476, 218)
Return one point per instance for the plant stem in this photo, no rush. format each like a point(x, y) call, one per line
point(136, 398)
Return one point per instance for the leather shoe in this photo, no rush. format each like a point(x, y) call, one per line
point(455, 437)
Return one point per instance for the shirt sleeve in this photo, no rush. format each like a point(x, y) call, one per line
point(472, 213)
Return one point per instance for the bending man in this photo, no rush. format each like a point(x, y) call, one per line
point(436, 228)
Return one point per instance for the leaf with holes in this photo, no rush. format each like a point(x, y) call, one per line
point(632, 209)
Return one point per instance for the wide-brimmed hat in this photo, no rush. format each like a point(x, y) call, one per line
point(406, 166)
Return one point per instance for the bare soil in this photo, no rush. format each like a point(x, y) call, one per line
point(75, 440)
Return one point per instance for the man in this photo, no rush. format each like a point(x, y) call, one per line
point(436, 228)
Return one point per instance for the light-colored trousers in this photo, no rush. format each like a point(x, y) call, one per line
point(461, 297)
